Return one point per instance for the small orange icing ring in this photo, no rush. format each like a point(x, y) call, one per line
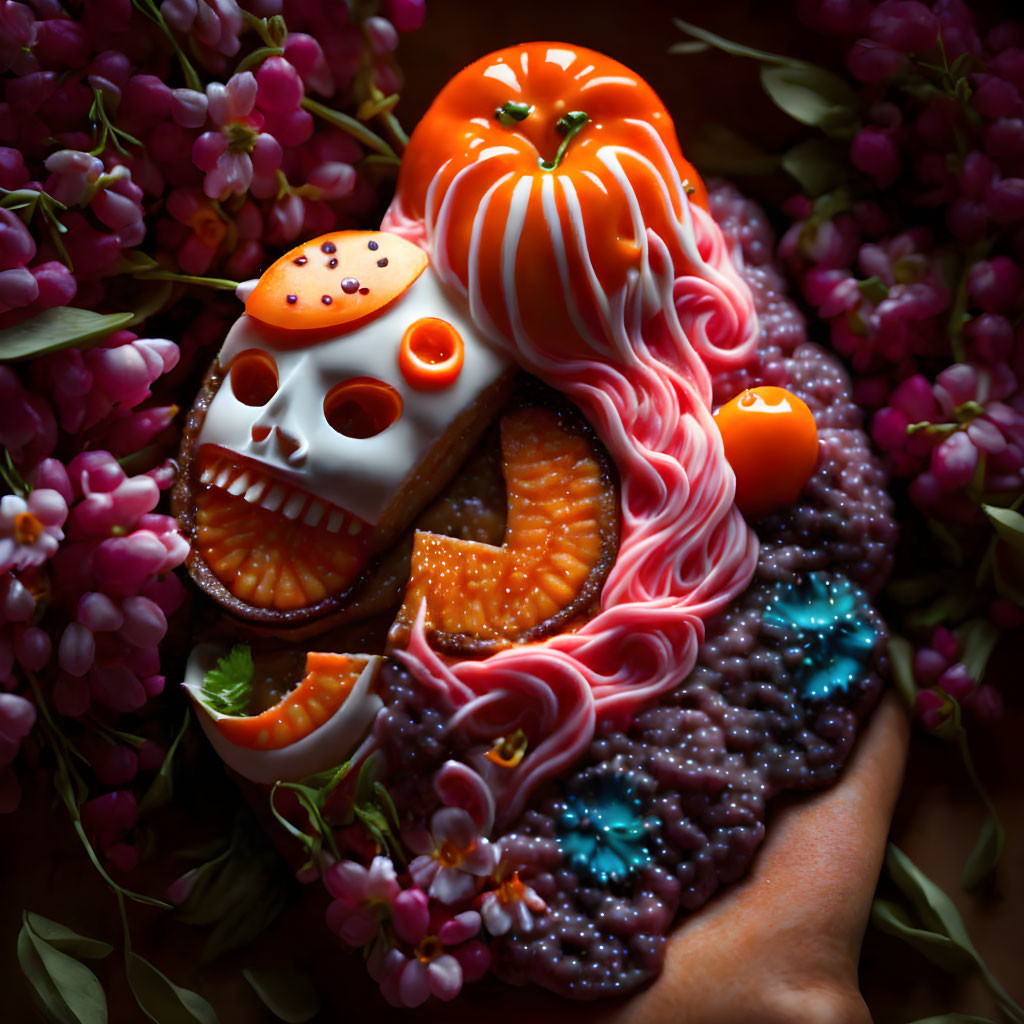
point(431, 354)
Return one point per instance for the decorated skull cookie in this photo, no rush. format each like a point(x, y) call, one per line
point(460, 486)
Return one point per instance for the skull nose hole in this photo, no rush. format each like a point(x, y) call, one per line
point(286, 442)
point(431, 354)
point(362, 407)
point(253, 377)
point(260, 433)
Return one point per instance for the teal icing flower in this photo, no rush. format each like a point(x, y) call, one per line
point(602, 830)
point(824, 615)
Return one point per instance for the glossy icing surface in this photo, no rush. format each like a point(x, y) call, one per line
point(290, 436)
point(626, 323)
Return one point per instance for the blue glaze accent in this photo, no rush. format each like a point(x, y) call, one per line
point(823, 616)
point(602, 831)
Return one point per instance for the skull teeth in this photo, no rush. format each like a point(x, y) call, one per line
point(314, 513)
point(294, 505)
point(256, 488)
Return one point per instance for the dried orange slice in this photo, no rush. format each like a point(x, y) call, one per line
point(561, 535)
point(270, 561)
point(335, 279)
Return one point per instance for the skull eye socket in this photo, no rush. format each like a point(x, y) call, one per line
point(254, 377)
point(362, 407)
point(431, 354)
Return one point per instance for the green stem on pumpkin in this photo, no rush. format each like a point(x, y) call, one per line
point(568, 126)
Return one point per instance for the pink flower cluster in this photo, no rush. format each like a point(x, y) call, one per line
point(109, 122)
point(916, 263)
point(942, 677)
point(966, 428)
point(139, 154)
point(86, 563)
point(425, 935)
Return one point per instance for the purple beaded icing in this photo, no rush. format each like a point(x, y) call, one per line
point(656, 818)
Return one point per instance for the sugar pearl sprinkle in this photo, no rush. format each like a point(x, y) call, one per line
point(349, 285)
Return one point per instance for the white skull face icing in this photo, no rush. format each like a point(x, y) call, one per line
point(328, 435)
point(320, 399)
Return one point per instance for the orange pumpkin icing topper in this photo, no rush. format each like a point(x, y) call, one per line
point(548, 163)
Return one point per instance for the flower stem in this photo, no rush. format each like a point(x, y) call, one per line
point(355, 128)
point(151, 11)
point(220, 283)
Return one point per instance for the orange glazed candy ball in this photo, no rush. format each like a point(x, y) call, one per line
point(771, 443)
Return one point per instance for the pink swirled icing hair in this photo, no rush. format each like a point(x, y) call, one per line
point(548, 187)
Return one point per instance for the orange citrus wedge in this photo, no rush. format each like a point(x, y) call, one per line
point(269, 561)
point(328, 681)
point(560, 541)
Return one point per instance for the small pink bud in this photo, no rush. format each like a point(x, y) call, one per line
point(32, 646)
point(77, 649)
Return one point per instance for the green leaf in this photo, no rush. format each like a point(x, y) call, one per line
point(244, 923)
point(228, 687)
point(716, 149)
point(939, 949)
point(933, 906)
point(67, 988)
point(288, 995)
point(55, 329)
point(978, 639)
point(813, 96)
point(901, 663)
point(692, 46)
point(816, 165)
point(728, 46)
point(134, 261)
point(67, 941)
point(1008, 524)
point(162, 787)
point(152, 300)
point(163, 1001)
point(986, 853)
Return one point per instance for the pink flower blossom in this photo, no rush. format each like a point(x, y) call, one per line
point(30, 530)
point(511, 906)
point(363, 897)
point(453, 856)
point(439, 964)
point(237, 153)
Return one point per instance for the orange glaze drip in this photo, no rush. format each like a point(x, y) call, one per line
point(328, 681)
point(460, 150)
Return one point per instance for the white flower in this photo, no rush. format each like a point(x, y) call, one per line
point(452, 857)
point(509, 907)
point(30, 531)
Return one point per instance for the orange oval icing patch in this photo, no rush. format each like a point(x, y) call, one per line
point(335, 279)
point(771, 443)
